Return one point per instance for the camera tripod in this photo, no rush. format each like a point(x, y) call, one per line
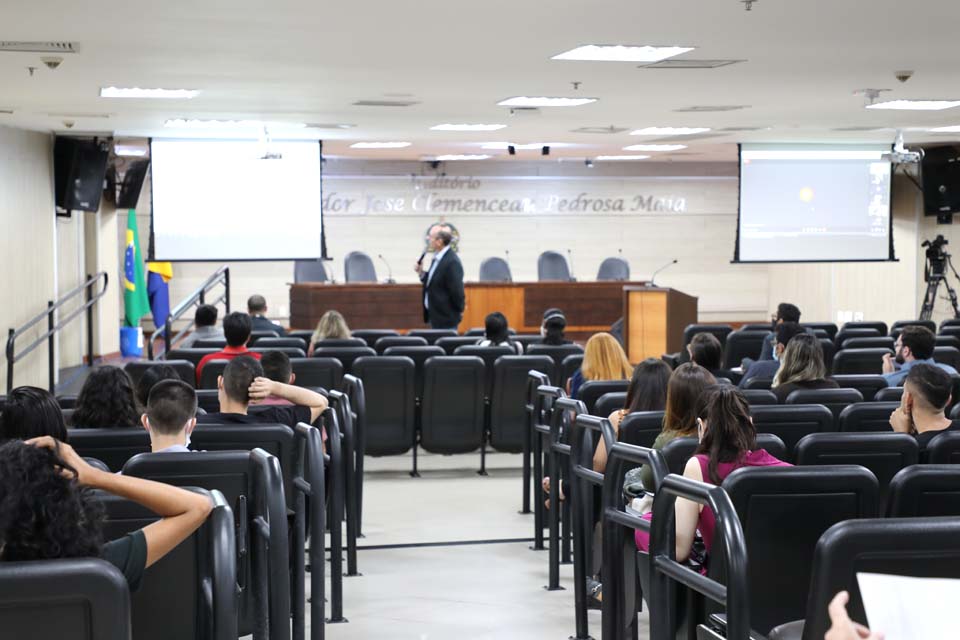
point(935, 274)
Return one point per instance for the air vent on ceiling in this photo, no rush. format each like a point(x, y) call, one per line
point(524, 111)
point(610, 129)
point(739, 129)
point(99, 116)
point(385, 103)
point(38, 47)
point(712, 108)
point(689, 63)
point(327, 125)
point(850, 129)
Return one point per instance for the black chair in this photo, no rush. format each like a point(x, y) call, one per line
point(203, 567)
point(80, 599)
point(878, 326)
point(67, 401)
point(292, 352)
point(867, 417)
point(845, 334)
point(759, 396)
point(609, 402)
point(947, 355)
point(829, 351)
point(193, 355)
point(211, 371)
point(834, 399)
point(678, 451)
point(389, 385)
point(97, 464)
point(346, 477)
point(370, 336)
point(419, 355)
point(591, 390)
point(278, 344)
point(451, 343)
point(758, 384)
point(210, 343)
point(884, 454)
point(309, 271)
point(949, 322)
point(558, 353)
point(534, 408)
point(208, 400)
point(951, 330)
point(340, 342)
point(552, 265)
point(432, 335)
point(820, 334)
point(184, 368)
point(925, 491)
point(613, 268)
point(867, 385)
point(489, 356)
point(317, 372)
point(257, 334)
point(868, 343)
point(900, 324)
point(890, 394)
point(358, 267)
point(948, 341)
point(829, 327)
point(640, 428)
point(346, 355)
point(495, 269)
point(859, 361)
point(720, 331)
point(304, 334)
point(386, 342)
point(353, 387)
point(568, 366)
point(944, 449)
point(253, 482)
point(527, 340)
point(479, 332)
point(755, 326)
point(310, 487)
point(791, 422)
point(743, 344)
point(453, 407)
point(113, 447)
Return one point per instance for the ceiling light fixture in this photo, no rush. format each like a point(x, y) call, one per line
point(379, 145)
point(129, 150)
point(655, 147)
point(916, 105)
point(189, 123)
point(952, 129)
point(461, 156)
point(136, 92)
point(468, 127)
point(669, 131)
point(542, 101)
point(623, 157)
point(621, 53)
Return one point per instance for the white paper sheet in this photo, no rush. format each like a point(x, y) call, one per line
point(907, 608)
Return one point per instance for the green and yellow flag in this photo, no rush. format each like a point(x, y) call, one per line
point(135, 302)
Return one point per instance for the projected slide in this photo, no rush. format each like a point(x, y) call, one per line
point(814, 202)
point(224, 200)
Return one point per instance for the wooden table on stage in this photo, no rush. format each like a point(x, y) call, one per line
point(589, 306)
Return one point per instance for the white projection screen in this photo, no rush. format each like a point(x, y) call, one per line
point(814, 203)
point(222, 200)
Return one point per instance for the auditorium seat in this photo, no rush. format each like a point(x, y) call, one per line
point(755, 326)
point(317, 372)
point(884, 454)
point(358, 267)
point(97, 464)
point(419, 355)
point(277, 344)
point(309, 271)
point(890, 394)
point(859, 361)
point(868, 343)
point(344, 479)
point(432, 335)
point(719, 331)
point(355, 391)
point(257, 334)
point(641, 428)
point(791, 422)
point(757, 383)
point(489, 355)
point(867, 417)
point(552, 265)
point(210, 343)
point(679, 450)
point(609, 402)
point(453, 406)
point(346, 355)
point(495, 269)
point(591, 390)
point(67, 401)
point(925, 491)
point(111, 446)
point(834, 399)
point(386, 342)
point(759, 396)
point(944, 449)
point(340, 342)
point(75, 599)
point(192, 355)
point(208, 400)
point(879, 326)
point(450, 343)
point(508, 412)
point(390, 391)
point(292, 352)
point(558, 353)
point(897, 326)
point(952, 330)
point(527, 339)
point(614, 268)
point(845, 334)
point(211, 371)
point(370, 336)
point(743, 344)
point(829, 327)
point(829, 351)
point(867, 385)
point(949, 322)
point(948, 341)
point(184, 369)
point(947, 355)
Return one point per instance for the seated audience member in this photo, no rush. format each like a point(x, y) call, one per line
point(801, 367)
point(332, 326)
point(496, 332)
point(647, 392)
point(276, 366)
point(243, 386)
point(154, 374)
point(204, 326)
point(553, 327)
point(767, 369)
point(705, 350)
point(842, 627)
point(106, 400)
point(728, 441)
point(236, 327)
point(786, 312)
point(31, 412)
point(926, 394)
point(914, 346)
point(48, 485)
point(603, 359)
point(171, 416)
point(257, 307)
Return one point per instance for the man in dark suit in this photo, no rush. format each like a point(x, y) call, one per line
point(257, 307)
point(443, 298)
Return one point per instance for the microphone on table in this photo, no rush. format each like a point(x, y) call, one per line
point(390, 279)
point(654, 276)
point(570, 262)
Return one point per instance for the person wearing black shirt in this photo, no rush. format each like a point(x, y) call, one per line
point(257, 308)
point(926, 394)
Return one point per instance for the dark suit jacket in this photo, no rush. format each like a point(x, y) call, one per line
point(261, 323)
point(444, 293)
point(764, 369)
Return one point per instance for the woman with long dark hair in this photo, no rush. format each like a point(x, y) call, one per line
point(106, 400)
point(31, 412)
point(496, 332)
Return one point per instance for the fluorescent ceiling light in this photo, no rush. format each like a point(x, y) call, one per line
point(624, 157)
point(916, 105)
point(655, 147)
point(455, 156)
point(669, 131)
point(953, 129)
point(379, 145)
point(185, 123)
point(468, 127)
point(136, 92)
point(621, 53)
point(129, 150)
point(526, 101)
point(530, 146)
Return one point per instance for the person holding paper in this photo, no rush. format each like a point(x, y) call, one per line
point(842, 627)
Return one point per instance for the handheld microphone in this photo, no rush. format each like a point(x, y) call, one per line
point(570, 262)
point(654, 276)
point(422, 256)
point(390, 279)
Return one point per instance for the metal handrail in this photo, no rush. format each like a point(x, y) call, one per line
point(52, 329)
point(197, 297)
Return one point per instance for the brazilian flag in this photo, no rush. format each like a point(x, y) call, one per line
point(135, 301)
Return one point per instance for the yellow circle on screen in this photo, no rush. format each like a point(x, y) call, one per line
point(806, 194)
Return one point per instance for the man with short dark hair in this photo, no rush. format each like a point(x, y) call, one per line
point(276, 366)
point(443, 296)
point(204, 326)
point(257, 307)
point(786, 312)
point(914, 346)
point(236, 329)
point(170, 416)
point(926, 394)
point(767, 369)
point(243, 387)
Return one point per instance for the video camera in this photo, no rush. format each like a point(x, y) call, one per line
point(936, 256)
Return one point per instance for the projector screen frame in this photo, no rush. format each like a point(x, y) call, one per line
point(891, 255)
point(151, 254)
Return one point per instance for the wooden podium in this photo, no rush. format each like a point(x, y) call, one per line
point(654, 319)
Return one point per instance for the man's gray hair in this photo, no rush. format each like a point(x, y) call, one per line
point(445, 235)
